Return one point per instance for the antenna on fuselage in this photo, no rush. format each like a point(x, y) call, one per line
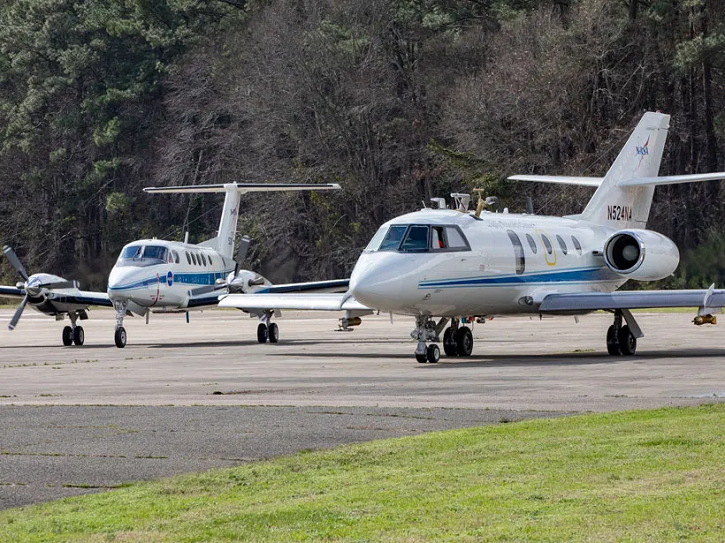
point(186, 237)
point(461, 201)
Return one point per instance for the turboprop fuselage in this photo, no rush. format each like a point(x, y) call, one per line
point(448, 263)
point(158, 275)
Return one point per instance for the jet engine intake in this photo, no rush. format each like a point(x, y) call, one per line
point(643, 255)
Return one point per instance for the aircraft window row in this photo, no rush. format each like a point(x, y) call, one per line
point(519, 248)
point(416, 238)
point(199, 259)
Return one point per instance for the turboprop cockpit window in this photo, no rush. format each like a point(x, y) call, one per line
point(154, 252)
point(132, 252)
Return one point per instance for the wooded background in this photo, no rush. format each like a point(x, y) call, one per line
point(397, 100)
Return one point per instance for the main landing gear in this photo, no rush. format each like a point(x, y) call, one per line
point(622, 340)
point(73, 333)
point(457, 340)
point(266, 330)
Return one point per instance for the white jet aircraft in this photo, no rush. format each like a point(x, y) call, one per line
point(467, 266)
point(154, 275)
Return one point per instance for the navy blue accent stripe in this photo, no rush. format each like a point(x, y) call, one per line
point(582, 275)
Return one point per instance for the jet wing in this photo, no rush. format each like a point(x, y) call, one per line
point(309, 302)
point(334, 285)
point(11, 291)
point(82, 297)
point(633, 299)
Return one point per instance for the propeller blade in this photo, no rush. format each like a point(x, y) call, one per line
point(242, 252)
point(59, 285)
point(15, 261)
point(18, 312)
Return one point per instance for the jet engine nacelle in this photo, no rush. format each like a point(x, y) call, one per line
point(641, 254)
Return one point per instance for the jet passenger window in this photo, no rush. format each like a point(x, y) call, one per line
point(577, 245)
point(455, 238)
point(532, 243)
point(416, 240)
point(393, 238)
point(562, 244)
point(547, 243)
point(518, 251)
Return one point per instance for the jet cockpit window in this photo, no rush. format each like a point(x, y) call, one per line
point(416, 240)
point(455, 239)
point(392, 239)
point(377, 239)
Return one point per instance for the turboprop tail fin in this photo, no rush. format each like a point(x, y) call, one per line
point(223, 243)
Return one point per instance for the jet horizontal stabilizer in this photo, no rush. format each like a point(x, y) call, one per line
point(560, 179)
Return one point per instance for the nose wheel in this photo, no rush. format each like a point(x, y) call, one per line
point(119, 337)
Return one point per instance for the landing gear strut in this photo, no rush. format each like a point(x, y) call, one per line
point(73, 333)
point(621, 340)
point(267, 330)
point(119, 336)
point(427, 330)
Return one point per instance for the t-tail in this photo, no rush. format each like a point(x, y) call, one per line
point(624, 195)
point(223, 243)
point(617, 204)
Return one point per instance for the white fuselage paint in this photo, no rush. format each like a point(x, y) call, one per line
point(488, 279)
point(165, 284)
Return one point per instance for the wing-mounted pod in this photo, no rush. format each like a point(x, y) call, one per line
point(643, 255)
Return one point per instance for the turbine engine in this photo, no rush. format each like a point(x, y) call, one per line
point(643, 255)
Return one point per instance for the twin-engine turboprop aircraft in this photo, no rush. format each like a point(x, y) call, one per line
point(463, 267)
point(155, 275)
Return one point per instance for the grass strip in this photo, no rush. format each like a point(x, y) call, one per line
point(632, 476)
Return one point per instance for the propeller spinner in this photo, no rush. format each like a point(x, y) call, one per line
point(32, 286)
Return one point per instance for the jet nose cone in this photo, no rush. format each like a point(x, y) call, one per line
point(379, 282)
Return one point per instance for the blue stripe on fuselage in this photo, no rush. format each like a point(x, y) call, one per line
point(208, 278)
point(580, 275)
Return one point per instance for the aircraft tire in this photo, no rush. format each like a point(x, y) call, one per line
point(67, 336)
point(613, 342)
point(449, 343)
point(421, 358)
point(262, 333)
point(433, 353)
point(79, 336)
point(627, 341)
point(273, 332)
point(464, 341)
point(120, 337)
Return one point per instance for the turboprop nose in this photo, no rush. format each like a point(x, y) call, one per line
point(122, 283)
point(380, 282)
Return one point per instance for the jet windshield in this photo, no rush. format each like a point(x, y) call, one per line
point(143, 255)
point(416, 238)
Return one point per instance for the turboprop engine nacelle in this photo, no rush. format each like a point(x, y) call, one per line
point(243, 281)
point(641, 254)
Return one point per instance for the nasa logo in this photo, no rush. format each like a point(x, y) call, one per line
point(170, 278)
point(642, 150)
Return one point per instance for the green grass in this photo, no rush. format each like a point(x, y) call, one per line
point(637, 476)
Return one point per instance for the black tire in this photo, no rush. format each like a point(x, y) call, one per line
point(67, 336)
point(613, 342)
point(79, 335)
point(421, 358)
point(449, 343)
point(464, 341)
point(262, 333)
point(433, 353)
point(273, 332)
point(627, 341)
point(120, 337)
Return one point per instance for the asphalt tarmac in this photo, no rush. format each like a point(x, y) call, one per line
point(188, 397)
